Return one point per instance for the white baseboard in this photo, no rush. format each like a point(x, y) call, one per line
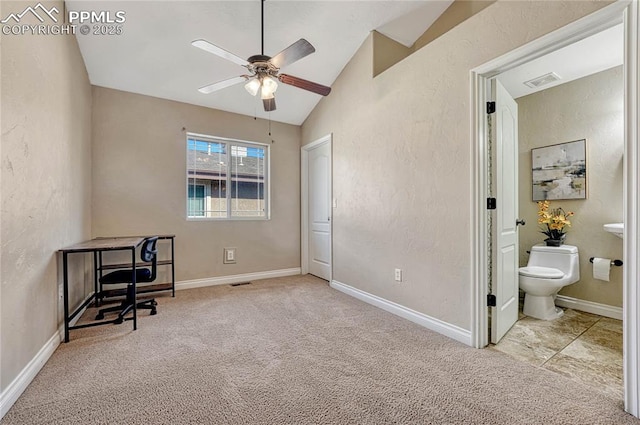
point(22, 381)
point(236, 278)
point(590, 307)
point(437, 325)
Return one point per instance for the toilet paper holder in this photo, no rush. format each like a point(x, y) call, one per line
point(613, 262)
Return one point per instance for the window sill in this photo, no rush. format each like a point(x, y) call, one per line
point(228, 218)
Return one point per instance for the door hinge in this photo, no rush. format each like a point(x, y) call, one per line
point(491, 107)
point(491, 203)
point(491, 300)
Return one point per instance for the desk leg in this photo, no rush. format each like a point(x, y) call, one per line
point(65, 285)
point(173, 271)
point(135, 291)
point(96, 292)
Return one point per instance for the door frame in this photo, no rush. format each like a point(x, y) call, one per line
point(304, 203)
point(623, 10)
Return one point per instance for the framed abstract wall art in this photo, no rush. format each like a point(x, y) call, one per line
point(560, 171)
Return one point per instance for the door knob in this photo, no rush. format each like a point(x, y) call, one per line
point(520, 222)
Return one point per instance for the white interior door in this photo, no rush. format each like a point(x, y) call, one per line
point(319, 211)
point(505, 252)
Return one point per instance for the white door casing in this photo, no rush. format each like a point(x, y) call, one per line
point(505, 251)
point(317, 211)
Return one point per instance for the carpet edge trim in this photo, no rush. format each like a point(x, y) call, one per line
point(605, 310)
point(236, 278)
point(436, 325)
point(15, 389)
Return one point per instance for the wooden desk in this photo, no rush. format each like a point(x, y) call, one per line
point(96, 246)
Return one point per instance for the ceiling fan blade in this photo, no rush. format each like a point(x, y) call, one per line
point(222, 84)
point(269, 104)
point(211, 48)
point(296, 51)
point(304, 84)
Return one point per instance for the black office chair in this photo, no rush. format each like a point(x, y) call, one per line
point(148, 253)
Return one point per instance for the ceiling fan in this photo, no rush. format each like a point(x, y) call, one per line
point(264, 70)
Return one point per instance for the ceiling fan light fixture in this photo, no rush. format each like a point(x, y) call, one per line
point(252, 86)
point(269, 87)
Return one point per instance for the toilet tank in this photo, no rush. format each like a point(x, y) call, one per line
point(564, 258)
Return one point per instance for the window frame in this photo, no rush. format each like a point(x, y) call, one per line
point(229, 181)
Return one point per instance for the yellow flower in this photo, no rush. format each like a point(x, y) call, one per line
point(553, 220)
point(543, 205)
point(545, 217)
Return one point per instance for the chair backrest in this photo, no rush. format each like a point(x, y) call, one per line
point(148, 253)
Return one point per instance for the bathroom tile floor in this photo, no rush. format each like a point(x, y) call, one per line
point(582, 346)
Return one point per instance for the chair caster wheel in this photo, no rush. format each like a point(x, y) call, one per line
point(154, 303)
point(153, 312)
point(118, 321)
point(99, 316)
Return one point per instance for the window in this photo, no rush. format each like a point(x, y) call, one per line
point(215, 165)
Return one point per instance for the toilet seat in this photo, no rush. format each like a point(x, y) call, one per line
point(541, 272)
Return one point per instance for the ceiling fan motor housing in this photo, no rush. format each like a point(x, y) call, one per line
point(261, 67)
point(258, 58)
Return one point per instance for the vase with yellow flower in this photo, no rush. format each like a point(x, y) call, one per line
point(554, 223)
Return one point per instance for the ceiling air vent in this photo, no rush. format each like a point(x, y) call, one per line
point(542, 80)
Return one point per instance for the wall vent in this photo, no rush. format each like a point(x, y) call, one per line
point(542, 80)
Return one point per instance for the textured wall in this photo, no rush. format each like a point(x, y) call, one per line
point(386, 52)
point(46, 188)
point(458, 12)
point(589, 108)
point(139, 183)
point(402, 159)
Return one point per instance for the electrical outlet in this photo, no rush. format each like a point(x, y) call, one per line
point(229, 256)
point(398, 275)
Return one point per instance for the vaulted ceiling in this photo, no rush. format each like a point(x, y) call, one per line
point(154, 56)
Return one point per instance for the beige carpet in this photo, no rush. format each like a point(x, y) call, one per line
point(292, 351)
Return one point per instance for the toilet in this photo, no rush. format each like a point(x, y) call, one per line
point(550, 268)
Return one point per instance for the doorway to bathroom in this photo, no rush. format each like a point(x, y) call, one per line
point(570, 103)
point(544, 123)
